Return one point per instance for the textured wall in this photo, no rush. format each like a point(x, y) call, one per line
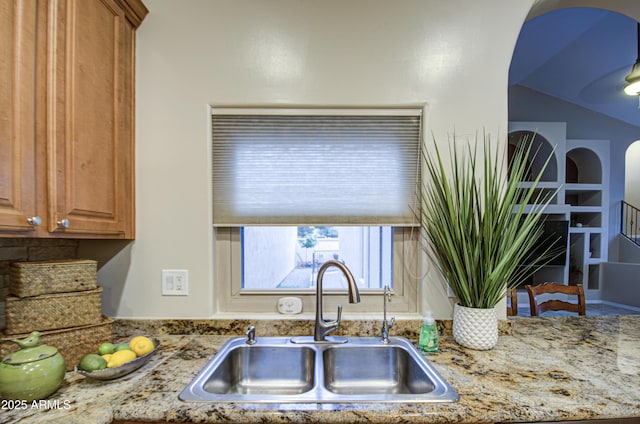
point(16, 250)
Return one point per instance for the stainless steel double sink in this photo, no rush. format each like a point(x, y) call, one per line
point(276, 370)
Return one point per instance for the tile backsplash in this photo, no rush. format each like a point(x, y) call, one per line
point(16, 250)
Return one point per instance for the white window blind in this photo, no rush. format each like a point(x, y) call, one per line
point(315, 167)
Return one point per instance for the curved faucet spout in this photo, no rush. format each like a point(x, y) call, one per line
point(325, 327)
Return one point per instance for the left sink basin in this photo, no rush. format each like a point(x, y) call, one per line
point(263, 370)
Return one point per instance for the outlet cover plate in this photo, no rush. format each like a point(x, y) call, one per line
point(175, 282)
point(289, 305)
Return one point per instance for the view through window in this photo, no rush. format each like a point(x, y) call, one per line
point(289, 257)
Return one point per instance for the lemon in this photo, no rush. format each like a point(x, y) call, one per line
point(135, 340)
point(92, 362)
point(107, 356)
point(142, 345)
point(121, 357)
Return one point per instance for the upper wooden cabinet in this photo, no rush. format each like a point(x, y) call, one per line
point(67, 93)
point(17, 115)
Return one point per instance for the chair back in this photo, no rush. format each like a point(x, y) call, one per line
point(556, 304)
point(512, 308)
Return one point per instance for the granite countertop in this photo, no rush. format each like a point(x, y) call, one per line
point(546, 369)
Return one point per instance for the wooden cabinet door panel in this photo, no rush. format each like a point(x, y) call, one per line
point(17, 115)
point(86, 147)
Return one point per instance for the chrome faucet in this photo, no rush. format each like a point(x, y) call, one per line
point(386, 325)
point(325, 327)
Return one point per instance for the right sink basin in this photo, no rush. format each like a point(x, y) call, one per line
point(374, 370)
point(276, 370)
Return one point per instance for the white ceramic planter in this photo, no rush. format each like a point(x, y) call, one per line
point(475, 328)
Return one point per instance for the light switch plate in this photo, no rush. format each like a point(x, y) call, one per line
point(289, 305)
point(175, 282)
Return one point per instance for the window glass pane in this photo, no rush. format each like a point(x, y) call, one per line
point(290, 257)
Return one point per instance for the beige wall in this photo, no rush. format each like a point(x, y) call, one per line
point(453, 56)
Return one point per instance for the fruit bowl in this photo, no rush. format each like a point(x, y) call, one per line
point(124, 369)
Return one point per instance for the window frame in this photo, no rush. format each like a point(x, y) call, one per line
point(230, 298)
point(230, 301)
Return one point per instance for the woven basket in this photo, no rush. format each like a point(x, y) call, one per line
point(46, 277)
point(72, 343)
point(52, 311)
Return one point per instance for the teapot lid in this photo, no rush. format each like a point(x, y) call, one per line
point(30, 354)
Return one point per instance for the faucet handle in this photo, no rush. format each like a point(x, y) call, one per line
point(335, 324)
point(393, 320)
point(339, 319)
point(251, 335)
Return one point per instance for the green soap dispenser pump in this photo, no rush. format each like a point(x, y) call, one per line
point(429, 339)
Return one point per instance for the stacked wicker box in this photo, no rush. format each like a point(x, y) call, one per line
point(61, 300)
point(72, 343)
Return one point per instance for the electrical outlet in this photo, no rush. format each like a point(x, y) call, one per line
point(289, 305)
point(175, 282)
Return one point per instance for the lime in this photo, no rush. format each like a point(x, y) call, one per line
point(106, 348)
point(92, 362)
point(123, 346)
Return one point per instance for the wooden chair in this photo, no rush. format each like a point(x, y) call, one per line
point(556, 304)
point(512, 308)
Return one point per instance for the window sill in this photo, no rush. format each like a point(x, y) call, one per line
point(311, 316)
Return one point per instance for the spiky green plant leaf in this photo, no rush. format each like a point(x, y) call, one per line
point(475, 221)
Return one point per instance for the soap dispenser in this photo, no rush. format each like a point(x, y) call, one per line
point(428, 334)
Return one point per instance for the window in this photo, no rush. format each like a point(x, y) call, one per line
point(295, 188)
point(289, 258)
point(232, 298)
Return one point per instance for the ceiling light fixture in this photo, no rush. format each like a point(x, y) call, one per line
point(633, 79)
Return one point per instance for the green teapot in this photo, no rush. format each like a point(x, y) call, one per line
point(33, 372)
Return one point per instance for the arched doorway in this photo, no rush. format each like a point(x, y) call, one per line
point(632, 175)
point(592, 240)
point(625, 7)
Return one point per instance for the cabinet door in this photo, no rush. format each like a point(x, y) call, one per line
point(17, 115)
point(89, 140)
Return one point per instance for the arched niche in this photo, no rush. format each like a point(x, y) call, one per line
point(541, 149)
point(583, 166)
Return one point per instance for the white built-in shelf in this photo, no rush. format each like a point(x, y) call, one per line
point(586, 209)
point(584, 229)
point(549, 210)
point(585, 199)
point(579, 187)
point(552, 185)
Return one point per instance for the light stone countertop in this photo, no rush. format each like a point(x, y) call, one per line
point(547, 369)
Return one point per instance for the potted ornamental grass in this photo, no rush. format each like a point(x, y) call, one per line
point(478, 227)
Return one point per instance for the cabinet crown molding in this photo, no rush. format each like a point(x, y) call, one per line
point(135, 11)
